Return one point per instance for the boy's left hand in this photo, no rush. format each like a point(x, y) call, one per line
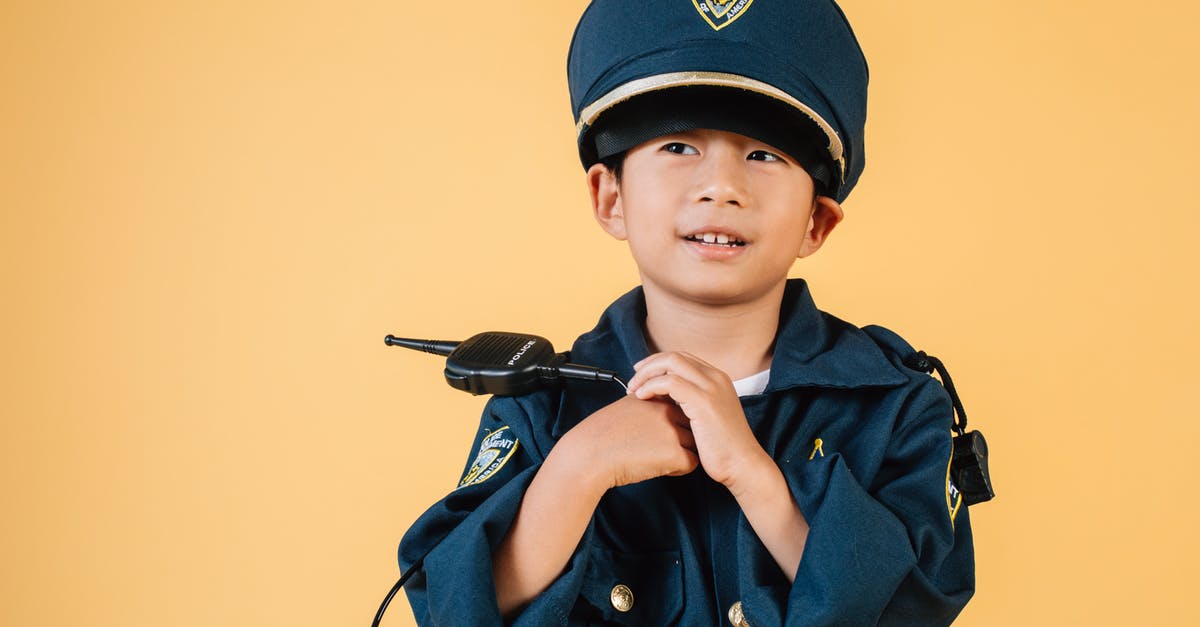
point(727, 448)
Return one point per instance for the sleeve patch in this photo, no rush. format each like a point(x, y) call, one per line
point(953, 496)
point(495, 450)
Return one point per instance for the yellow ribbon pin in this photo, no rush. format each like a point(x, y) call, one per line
point(816, 449)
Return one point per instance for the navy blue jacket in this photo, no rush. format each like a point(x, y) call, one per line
point(864, 444)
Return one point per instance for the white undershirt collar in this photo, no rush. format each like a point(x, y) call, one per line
point(753, 384)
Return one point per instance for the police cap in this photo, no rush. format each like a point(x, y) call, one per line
point(786, 72)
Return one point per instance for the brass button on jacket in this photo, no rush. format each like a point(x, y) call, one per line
point(736, 618)
point(622, 597)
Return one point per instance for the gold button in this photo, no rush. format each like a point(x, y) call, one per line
point(621, 597)
point(736, 618)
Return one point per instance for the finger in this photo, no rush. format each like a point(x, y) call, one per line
point(679, 364)
point(677, 417)
point(686, 438)
point(674, 386)
point(687, 463)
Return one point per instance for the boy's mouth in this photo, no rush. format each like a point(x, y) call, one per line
point(715, 239)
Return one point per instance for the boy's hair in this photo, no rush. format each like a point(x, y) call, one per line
point(615, 164)
point(786, 72)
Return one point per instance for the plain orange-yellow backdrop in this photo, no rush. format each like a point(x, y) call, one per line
point(212, 212)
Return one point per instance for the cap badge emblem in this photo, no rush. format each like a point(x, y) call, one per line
point(721, 13)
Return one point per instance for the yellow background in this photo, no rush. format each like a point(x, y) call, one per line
point(212, 212)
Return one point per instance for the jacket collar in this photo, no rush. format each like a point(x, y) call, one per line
point(815, 349)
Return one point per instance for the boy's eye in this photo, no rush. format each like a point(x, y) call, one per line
point(680, 148)
point(763, 155)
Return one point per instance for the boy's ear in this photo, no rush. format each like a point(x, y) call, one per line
point(606, 200)
point(826, 214)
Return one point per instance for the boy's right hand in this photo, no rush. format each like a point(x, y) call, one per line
point(631, 440)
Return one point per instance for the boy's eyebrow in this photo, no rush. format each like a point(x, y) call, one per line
point(753, 143)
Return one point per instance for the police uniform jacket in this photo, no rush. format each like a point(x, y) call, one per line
point(863, 442)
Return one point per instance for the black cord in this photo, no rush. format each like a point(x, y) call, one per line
point(586, 373)
point(927, 364)
point(387, 600)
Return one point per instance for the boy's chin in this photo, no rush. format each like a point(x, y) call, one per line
point(719, 291)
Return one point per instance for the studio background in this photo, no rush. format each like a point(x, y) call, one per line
point(212, 212)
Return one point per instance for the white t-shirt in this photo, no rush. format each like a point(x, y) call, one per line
point(753, 384)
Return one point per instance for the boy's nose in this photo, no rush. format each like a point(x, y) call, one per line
point(721, 179)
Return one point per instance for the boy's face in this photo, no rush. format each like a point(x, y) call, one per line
point(753, 202)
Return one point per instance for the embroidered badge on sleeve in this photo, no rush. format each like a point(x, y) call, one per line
point(495, 450)
point(953, 496)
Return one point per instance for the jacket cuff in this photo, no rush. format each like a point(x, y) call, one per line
point(856, 554)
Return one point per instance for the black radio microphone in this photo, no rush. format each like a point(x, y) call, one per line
point(504, 364)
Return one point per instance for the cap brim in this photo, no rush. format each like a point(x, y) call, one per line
point(657, 82)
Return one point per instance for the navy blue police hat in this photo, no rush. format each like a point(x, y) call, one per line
point(786, 72)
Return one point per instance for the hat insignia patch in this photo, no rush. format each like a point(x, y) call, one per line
point(494, 452)
point(721, 13)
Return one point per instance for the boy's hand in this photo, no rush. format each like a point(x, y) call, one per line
point(727, 447)
point(631, 440)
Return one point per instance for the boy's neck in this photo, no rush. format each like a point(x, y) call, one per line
point(738, 339)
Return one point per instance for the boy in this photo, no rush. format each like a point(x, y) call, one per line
point(769, 464)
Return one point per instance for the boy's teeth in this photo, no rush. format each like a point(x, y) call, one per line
point(715, 238)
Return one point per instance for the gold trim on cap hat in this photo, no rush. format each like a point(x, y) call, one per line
point(715, 79)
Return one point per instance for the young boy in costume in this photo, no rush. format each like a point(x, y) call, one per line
point(770, 464)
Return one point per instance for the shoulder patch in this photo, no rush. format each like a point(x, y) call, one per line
point(953, 496)
point(721, 13)
point(494, 451)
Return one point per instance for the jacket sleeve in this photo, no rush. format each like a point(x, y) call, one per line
point(458, 534)
point(896, 552)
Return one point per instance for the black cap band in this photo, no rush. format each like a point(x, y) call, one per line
point(681, 109)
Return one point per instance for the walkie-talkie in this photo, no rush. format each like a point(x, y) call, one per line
point(503, 364)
